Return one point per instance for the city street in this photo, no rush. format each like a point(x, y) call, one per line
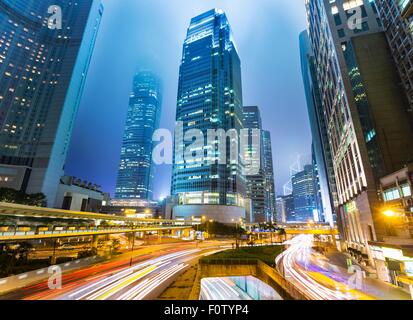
point(154, 268)
point(320, 279)
point(206, 150)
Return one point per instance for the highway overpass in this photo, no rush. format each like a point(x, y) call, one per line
point(297, 228)
point(48, 223)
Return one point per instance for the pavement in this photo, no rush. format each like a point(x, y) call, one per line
point(181, 288)
point(375, 287)
point(326, 276)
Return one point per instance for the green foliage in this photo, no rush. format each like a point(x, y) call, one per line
point(266, 254)
point(13, 257)
point(19, 197)
point(217, 228)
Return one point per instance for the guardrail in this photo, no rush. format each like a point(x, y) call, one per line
point(35, 234)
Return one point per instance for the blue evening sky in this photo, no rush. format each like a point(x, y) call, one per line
point(148, 34)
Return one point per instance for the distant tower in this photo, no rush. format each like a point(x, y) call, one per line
point(256, 184)
point(270, 205)
point(304, 194)
point(136, 169)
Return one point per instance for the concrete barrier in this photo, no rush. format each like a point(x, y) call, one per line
point(210, 268)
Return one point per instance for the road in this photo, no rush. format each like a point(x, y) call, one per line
point(319, 278)
point(153, 270)
point(222, 289)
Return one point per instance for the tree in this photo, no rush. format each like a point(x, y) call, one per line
point(221, 229)
point(14, 196)
point(24, 250)
point(281, 232)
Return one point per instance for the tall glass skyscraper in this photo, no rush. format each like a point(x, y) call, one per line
point(209, 97)
point(136, 169)
point(304, 194)
point(260, 186)
point(268, 167)
point(255, 183)
point(42, 75)
point(321, 147)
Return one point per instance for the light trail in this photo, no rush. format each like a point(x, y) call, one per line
point(294, 264)
point(158, 280)
point(221, 289)
point(110, 286)
point(117, 280)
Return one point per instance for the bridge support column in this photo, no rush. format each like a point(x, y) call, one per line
point(95, 242)
point(53, 258)
point(177, 233)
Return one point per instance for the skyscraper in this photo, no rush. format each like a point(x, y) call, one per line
point(319, 214)
point(209, 98)
point(285, 209)
point(43, 67)
point(268, 167)
point(136, 169)
point(321, 147)
point(397, 18)
point(368, 128)
point(255, 183)
point(305, 195)
point(281, 216)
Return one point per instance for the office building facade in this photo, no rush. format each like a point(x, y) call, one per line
point(136, 169)
point(285, 209)
point(209, 98)
point(268, 167)
point(305, 195)
point(397, 19)
point(321, 147)
point(255, 183)
point(368, 128)
point(43, 67)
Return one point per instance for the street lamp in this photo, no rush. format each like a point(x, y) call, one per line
point(395, 216)
point(390, 213)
